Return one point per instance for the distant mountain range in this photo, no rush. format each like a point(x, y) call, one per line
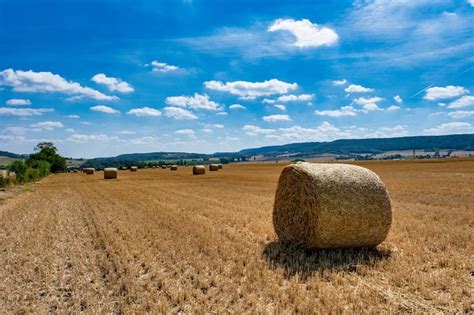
point(342, 147)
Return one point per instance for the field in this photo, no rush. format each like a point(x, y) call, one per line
point(162, 241)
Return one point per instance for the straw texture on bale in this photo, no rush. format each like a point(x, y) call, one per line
point(199, 170)
point(219, 165)
point(331, 206)
point(89, 170)
point(133, 168)
point(110, 173)
point(213, 167)
point(174, 167)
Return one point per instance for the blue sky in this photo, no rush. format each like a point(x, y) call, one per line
point(100, 78)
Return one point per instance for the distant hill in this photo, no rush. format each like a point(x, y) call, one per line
point(377, 145)
point(13, 155)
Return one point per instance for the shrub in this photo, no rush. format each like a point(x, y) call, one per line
point(19, 167)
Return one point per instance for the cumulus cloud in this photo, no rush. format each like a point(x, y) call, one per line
point(343, 111)
point(162, 67)
point(46, 125)
point(221, 114)
point(73, 116)
point(112, 84)
point(464, 101)
point(252, 130)
point(197, 101)
point(144, 111)
point(47, 82)
point(280, 107)
point(461, 114)
point(268, 101)
point(295, 98)
point(104, 109)
point(18, 101)
point(23, 112)
point(252, 90)
point(471, 2)
point(178, 113)
point(236, 106)
point(339, 82)
point(355, 88)
point(364, 101)
point(398, 99)
point(79, 138)
point(442, 92)
point(323, 132)
point(186, 132)
point(126, 132)
point(393, 107)
point(276, 118)
point(451, 128)
point(307, 34)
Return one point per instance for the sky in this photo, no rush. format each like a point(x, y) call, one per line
point(102, 78)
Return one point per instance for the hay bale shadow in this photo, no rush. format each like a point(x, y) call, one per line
point(297, 261)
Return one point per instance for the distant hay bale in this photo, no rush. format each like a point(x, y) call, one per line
point(213, 167)
point(331, 206)
point(199, 170)
point(12, 177)
point(220, 166)
point(89, 170)
point(174, 167)
point(4, 174)
point(133, 168)
point(110, 173)
point(163, 166)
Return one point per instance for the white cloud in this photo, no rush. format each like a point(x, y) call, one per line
point(364, 101)
point(371, 107)
point(397, 128)
point(323, 132)
point(440, 92)
point(393, 107)
point(471, 2)
point(354, 88)
point(24, 111)
point(162, 67)
point(186, 132)
point(276, 118)
point(255, 130)
point(17, 101)
point(236, 106)
point(144, 111)
point(207, 130)
point(451, 128)
point(197, 101)
point(16, 130)
point(307, 34)
point(398, 99)
point(344, 111)
point(47, 82)
point(178, 113)
point(339, 82)
point(280, 107)
point(252, 90)
point(218, 126)
point(70, 130)
point(464, 101)
point(73, 116)
point(112, 84)
point(461, 114)
point(295, 98)
point(221, 114)
point(91, 138)
point(47, 125)
point(104, 109)
point(126, 132)
point(268, 101)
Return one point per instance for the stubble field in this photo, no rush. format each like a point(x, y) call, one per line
point(162, 241)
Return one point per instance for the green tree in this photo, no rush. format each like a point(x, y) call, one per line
point(49, 153)
point(19, 167)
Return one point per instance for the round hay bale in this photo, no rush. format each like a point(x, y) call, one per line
point(174, 167)
point(133, 168)
point(331, 206)
point(89, 170)
point(163, 166)
point(199, 170)
point(213, 167)
point(110, 173)
point(12, 177)
point(220, 166)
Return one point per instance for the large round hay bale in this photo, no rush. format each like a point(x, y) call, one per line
point(199, 170)
point(110, 173)
point(163, 166)
point(219, 166)
point(133, 168)
point(89, 170)
point(213, 167)
point(174, 167)
point(331, 206)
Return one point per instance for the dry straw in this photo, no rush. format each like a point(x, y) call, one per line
point(213, 167)
point(331, 206)
point(199, 170)
point(89, 170)
point(174, 167)
point(110, 173)
point(133, 168)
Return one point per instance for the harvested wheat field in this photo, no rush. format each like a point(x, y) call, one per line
point(157, 241)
